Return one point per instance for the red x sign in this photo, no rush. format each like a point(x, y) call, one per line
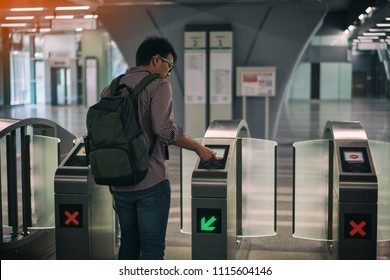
point(71, 218)
point(357, 228)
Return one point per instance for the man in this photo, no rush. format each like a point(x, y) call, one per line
point(143, 208)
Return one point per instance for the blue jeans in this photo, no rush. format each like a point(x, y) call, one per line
point(143, 219)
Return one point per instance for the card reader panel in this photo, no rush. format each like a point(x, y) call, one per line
point(221, 152)
point(78, 156)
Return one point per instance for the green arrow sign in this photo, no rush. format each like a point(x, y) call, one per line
point(206, 226)
point(208, 220)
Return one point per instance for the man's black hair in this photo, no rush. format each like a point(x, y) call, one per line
point(152, 46)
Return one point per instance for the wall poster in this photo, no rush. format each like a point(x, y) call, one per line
point(195, 67)
point(221, 67)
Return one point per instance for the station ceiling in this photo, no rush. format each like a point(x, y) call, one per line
point(333, 5)
point(350, 10)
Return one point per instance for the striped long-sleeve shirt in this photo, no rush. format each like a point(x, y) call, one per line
point(156, 116)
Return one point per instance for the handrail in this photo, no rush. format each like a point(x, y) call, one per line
point(48, 128)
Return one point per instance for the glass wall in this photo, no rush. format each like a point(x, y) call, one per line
point(43, 68)
point(38, 75)
point(335, 80)
point(20, 70)
point(116, 62)
point(335, 73)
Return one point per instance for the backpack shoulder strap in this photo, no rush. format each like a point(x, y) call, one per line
point(138, 88)
point(115, 84)
point(144, 82)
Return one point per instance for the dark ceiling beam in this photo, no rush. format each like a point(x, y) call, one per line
point(378, 17)
point(356, 8)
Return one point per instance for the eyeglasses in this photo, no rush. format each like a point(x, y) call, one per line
point(171, 65)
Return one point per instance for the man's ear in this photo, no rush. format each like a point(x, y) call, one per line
point(155, 60)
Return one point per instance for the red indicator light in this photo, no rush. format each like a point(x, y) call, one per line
point(71, 218)
point(357, 228)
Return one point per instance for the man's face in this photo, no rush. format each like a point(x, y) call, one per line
point(164, 65)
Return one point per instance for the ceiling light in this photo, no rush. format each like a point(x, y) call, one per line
point(371, 37)
point(44, 30)
point(90, 16)
point(383, 24)
point(20, 18)
point(27, 9)
point(351, 27)
point(72, 8)
point(65, 17)
point(374, 34)
point(361, 17)
point(368, 10)
point(13, 24)
point(379, 29)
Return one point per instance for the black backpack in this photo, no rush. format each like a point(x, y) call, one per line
point(116, 147)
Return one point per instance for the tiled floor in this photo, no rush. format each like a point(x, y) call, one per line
point(300, 120)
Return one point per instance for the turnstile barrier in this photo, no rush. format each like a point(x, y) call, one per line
point(30, 151)
point(339, 195)
point(232, 198)
point(258, 187)
point(311, 190)
point(83, 211)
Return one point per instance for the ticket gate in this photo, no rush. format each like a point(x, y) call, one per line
point(335, 182)
point(221, 214)
point(84, 217)
point(356, 190)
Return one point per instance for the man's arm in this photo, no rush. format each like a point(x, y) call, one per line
point(188, 143)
